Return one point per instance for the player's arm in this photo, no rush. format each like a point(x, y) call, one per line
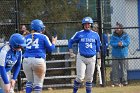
point(4, 75)
point(16, 71)
point(3, 72)
point(73, 40)
point(50, 46)
point(98, 49)
point(5, 79)
point(17, 67)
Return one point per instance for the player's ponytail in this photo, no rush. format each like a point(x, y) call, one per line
point(32, 33)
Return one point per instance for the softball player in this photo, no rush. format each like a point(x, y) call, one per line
point(34, 64)
point(10, 58)
point(88, 44)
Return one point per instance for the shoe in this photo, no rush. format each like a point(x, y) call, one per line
point(118, 85)
point(125, 83)
point(113, 85)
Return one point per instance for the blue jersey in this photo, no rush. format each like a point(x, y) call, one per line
point(105, 43)
point(9, 59)
point(88, 42)
point(37, 45)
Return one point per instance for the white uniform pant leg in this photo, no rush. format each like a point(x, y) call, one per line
point(39, 70)
point(27, 68)
point(80, 69)
point(90, 67)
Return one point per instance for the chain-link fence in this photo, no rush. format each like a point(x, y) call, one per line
point(126, 13)
point(64, 18)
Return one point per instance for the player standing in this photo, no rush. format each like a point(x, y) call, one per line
point(34, 64)
point(88, 44)
point(10, 58)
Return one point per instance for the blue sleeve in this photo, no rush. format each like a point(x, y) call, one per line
point(50, 47)
point(74, 39)
point(4, 75)
point(126, 40)
point(98, 43)
point(114, 41)
point(105, 38)
point(17, 67)
point(70, 43)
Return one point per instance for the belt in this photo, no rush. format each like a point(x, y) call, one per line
point(87, 56)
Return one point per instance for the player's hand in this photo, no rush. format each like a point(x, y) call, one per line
point(99, 62)
point(7, 88)
point(72, 55)
point(54, 39)
point(12, 83)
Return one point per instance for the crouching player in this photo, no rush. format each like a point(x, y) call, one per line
point(10, 58)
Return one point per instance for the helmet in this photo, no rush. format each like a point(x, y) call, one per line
point(87, 20)
point(37, 25)
point(17, 40)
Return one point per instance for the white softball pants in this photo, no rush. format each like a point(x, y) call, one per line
point(85, 68)
point(35, 69)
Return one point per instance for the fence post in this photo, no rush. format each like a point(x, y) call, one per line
point(99, 19)
point(17, 30)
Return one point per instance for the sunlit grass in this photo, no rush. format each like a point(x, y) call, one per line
point(126, 89)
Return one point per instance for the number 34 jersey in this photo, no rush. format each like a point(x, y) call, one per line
point(88, 42)
point(37, 45)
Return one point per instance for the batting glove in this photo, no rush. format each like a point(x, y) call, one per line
point(72, 55)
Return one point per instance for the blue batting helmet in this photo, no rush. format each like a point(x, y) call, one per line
point(87, 20)
point(37, 25)
point(16, 40)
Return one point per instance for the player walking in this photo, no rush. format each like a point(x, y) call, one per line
point(88, 44)
point(10, 58)
point(34, 64)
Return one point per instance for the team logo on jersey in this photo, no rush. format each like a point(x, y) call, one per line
point(9, 56)
point(10, 63)
point(87, 40)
